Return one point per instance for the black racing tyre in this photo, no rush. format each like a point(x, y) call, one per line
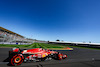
point(16, 60)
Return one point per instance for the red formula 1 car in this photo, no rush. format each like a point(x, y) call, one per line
point(18, 56)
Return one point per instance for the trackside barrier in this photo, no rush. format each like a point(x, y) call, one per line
point(90, 45)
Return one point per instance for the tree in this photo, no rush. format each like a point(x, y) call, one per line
point(89, 41)
point(57, 40)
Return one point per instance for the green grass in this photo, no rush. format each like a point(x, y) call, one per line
point(45, 46)
point(51, 45)
point(34, 45)
point(79, 47)
point(19, 46)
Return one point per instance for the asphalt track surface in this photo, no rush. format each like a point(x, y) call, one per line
point(79, 57)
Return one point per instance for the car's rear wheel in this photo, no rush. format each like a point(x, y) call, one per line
point(16, 60)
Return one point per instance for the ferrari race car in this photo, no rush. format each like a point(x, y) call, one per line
point(17, 56)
